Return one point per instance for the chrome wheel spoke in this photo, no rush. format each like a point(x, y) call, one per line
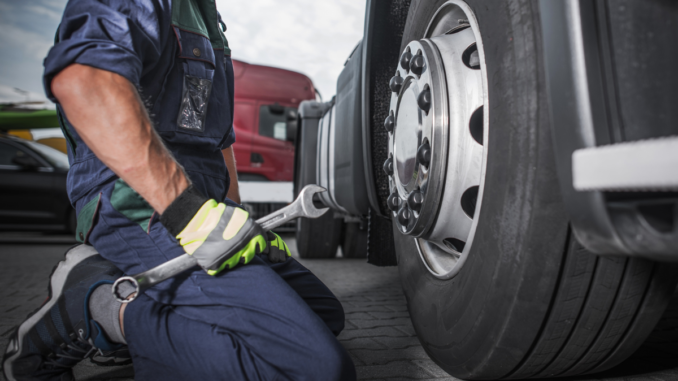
point(458, 228)
point(471, 164)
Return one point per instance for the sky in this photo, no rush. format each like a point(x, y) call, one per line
point(309, 36)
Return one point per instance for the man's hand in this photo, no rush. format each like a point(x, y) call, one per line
point(221, 236)
point(277, 248)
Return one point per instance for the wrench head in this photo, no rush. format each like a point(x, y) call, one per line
point(305, 201)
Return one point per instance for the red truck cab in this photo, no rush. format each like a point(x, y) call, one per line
point(266, 101)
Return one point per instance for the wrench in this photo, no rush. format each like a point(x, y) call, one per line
point(301, 207)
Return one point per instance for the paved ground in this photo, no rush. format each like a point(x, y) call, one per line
point(378, 333)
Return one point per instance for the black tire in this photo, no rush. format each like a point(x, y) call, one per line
point(317, 238)
point(354, 241)
point(529, 301)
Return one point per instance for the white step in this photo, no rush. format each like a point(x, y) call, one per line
point(647, 165)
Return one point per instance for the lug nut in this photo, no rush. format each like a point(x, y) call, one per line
point(424, 154)
point(393, 202)
point(417, 64)
point(405, 60)
point(415, 199)
point(424, 99)
point(388, 166)
point(389, 123)
point(396, 83)
point(404, 215)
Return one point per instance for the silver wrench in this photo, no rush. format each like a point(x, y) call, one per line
point(301, 207)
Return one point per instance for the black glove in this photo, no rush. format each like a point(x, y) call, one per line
point(277, 248)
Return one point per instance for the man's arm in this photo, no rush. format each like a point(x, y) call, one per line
point(234, 190)
point(106, 111)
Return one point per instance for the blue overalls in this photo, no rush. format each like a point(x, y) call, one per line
point(260, 321)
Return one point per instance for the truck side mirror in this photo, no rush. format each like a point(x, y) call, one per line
point(292, 130)
point(276, 109)
point(291, 115)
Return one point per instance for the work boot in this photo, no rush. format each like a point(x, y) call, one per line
point(60, 333)
point(116, 357)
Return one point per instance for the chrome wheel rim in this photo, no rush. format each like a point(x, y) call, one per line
point(438, 134)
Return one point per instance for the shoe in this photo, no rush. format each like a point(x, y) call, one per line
point(59, 334)
point(117, 357)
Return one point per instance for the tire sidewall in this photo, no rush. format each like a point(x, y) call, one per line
point(481, 323)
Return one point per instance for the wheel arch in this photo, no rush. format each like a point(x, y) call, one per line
point(384, 26)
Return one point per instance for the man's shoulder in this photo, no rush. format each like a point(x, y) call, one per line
point(142, 10)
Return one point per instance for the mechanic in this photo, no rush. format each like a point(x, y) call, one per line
point(145, 95)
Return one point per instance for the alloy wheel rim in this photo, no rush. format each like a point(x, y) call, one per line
point(438, 135)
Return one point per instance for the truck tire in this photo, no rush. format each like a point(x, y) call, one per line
point(317, 238)
point(520, 297)
point(354, 241)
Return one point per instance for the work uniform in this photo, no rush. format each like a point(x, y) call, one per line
point(259, 321)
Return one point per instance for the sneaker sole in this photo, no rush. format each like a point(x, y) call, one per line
point(56, 284)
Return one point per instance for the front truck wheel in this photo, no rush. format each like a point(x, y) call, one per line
point(497, 285)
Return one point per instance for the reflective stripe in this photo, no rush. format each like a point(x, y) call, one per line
point(236, 223)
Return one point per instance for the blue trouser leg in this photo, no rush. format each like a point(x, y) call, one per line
point(318, 297)
point(259, 321)
point(264, 332)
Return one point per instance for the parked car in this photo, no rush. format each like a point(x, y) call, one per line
point(517, 161)
point(33, 187)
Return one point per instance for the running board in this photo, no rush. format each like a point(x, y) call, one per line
point(648, 165)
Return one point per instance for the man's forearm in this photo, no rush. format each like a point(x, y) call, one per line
point(106, 111)
point(234, 189)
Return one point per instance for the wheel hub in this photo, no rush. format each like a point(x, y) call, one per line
point(436, 142)
point(418, 113)
point(408, 127)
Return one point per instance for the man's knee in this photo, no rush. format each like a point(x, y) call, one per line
point(330, 362)
point(335, 318)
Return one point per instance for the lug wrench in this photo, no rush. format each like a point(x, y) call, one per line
point(301, 207)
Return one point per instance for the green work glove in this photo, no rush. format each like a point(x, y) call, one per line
point(221, 236)
point(277, 248)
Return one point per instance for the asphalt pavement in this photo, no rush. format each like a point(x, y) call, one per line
point(378, 334)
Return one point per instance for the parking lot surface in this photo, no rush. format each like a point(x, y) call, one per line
point(378, 334)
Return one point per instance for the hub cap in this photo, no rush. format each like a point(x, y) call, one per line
point(437, 135)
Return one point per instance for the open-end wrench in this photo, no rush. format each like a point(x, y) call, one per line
point(301, 207)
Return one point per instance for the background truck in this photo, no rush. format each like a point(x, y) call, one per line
point(517, 161)
point(265, 121)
